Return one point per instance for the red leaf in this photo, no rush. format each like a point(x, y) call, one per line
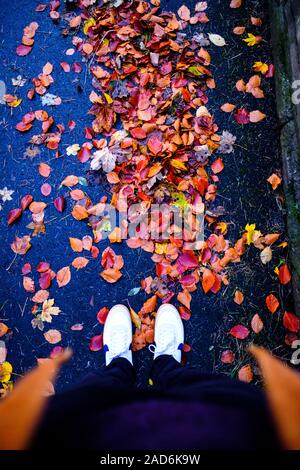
point(76, 67)
point(155, 145)
point(96, 343)
point(46, 189)
point(84, 154)
point(56, 351)
point(45, 280)
point(25, 201)
point(290, 338)
point(242, 116)
point(185, 313)
point(138, 133)
point(88, 133)
point(291, 322)
point(23, 127)
point(14, 215)
point(65, 66)
point(187, 260)
point(26, 269)
point(186, 348)
point(23, 50)
point(227, 357)
point(59, 203)
point(245, 374)
point(239, 332)
point(271, 71)
point(217, 166)
point(42, 267)
point(284, 274)
point(102, 315)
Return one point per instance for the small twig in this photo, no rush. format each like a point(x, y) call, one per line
point(14, 259)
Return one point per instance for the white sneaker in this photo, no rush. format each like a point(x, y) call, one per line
point(117, 334)
point(169, 333)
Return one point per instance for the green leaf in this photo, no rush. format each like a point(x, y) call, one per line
point(194, 70)
point(82, 181)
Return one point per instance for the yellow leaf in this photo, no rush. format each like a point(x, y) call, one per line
point(108, 98)
point(250, 40)
point(87, 24)
point(154, 170)
point(250, 229)
point(115, 236)
point(135, 318)
point(161, 248)
point(5, 372)
point(260, 67)
point(283, 245)
point(178, 164)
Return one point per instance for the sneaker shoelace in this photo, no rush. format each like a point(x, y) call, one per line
point(166, 342)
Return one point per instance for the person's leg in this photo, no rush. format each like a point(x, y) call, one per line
point(117, 339)
point(108, 386)
point(173, 379)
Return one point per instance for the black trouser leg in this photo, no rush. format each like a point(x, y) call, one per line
point(168, 373)
point(185, 382)
point(96, 392)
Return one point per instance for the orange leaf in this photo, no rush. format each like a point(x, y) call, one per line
point(74, 22)
point(77, 194)
point(185, 298)
point(154, 170)
point(274, 180)
point(40, 296)
point(149, 306)
point(76, 244)
point(240, 85)
point(228, 107)
point(79, 212)
point(256, 116)
point(272, 303)
point(28, 284)
point(44, 170)
point(47, 69)
point(70, 180)
point(208, 280)
point(111, 275)
point(80, 262)
point(238, 297)
point(63, 276)
point(37, 207)
point(52, 336)
point(3, 329)
point(239, 30)
point(235, 3)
